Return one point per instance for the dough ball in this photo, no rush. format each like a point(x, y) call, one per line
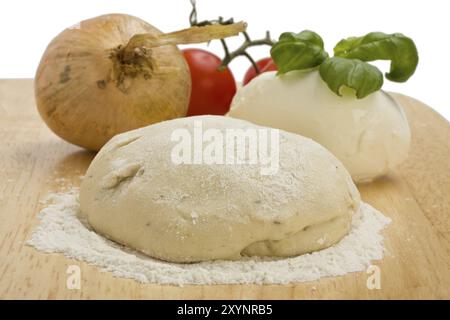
point(371, 136)
point(134, 194)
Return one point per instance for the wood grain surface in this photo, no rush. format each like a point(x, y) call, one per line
point(33, 161)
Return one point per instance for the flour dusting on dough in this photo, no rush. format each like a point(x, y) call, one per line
point(61, 231)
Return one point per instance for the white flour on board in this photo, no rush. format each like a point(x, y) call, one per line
point(61, 231)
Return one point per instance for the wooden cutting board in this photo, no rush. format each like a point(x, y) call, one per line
point(33, 161)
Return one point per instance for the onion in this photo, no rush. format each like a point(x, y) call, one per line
point(115, 73)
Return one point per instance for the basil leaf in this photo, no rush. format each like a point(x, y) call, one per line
point(299, 51)
point(396, 47)
point(306, 36)
point(353, 73)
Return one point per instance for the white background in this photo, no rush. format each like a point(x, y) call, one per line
point(27, 26)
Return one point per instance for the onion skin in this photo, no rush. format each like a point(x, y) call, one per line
point(86, 94)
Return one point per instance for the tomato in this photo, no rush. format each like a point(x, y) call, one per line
point(212, 90)
point(264, 65)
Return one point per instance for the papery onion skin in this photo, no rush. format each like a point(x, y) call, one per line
point(86, 95)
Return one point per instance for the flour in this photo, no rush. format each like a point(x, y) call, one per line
point(61, 231)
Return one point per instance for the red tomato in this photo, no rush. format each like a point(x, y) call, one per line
point(264, 65)
point(212, 90)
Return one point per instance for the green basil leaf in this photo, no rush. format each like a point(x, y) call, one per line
point(353, 73)
point(299, 51)
point(305, 36)
point(397, 48)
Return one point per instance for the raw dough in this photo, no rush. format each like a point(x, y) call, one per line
point(135, 195)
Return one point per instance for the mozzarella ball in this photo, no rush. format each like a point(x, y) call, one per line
point(370, 136)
